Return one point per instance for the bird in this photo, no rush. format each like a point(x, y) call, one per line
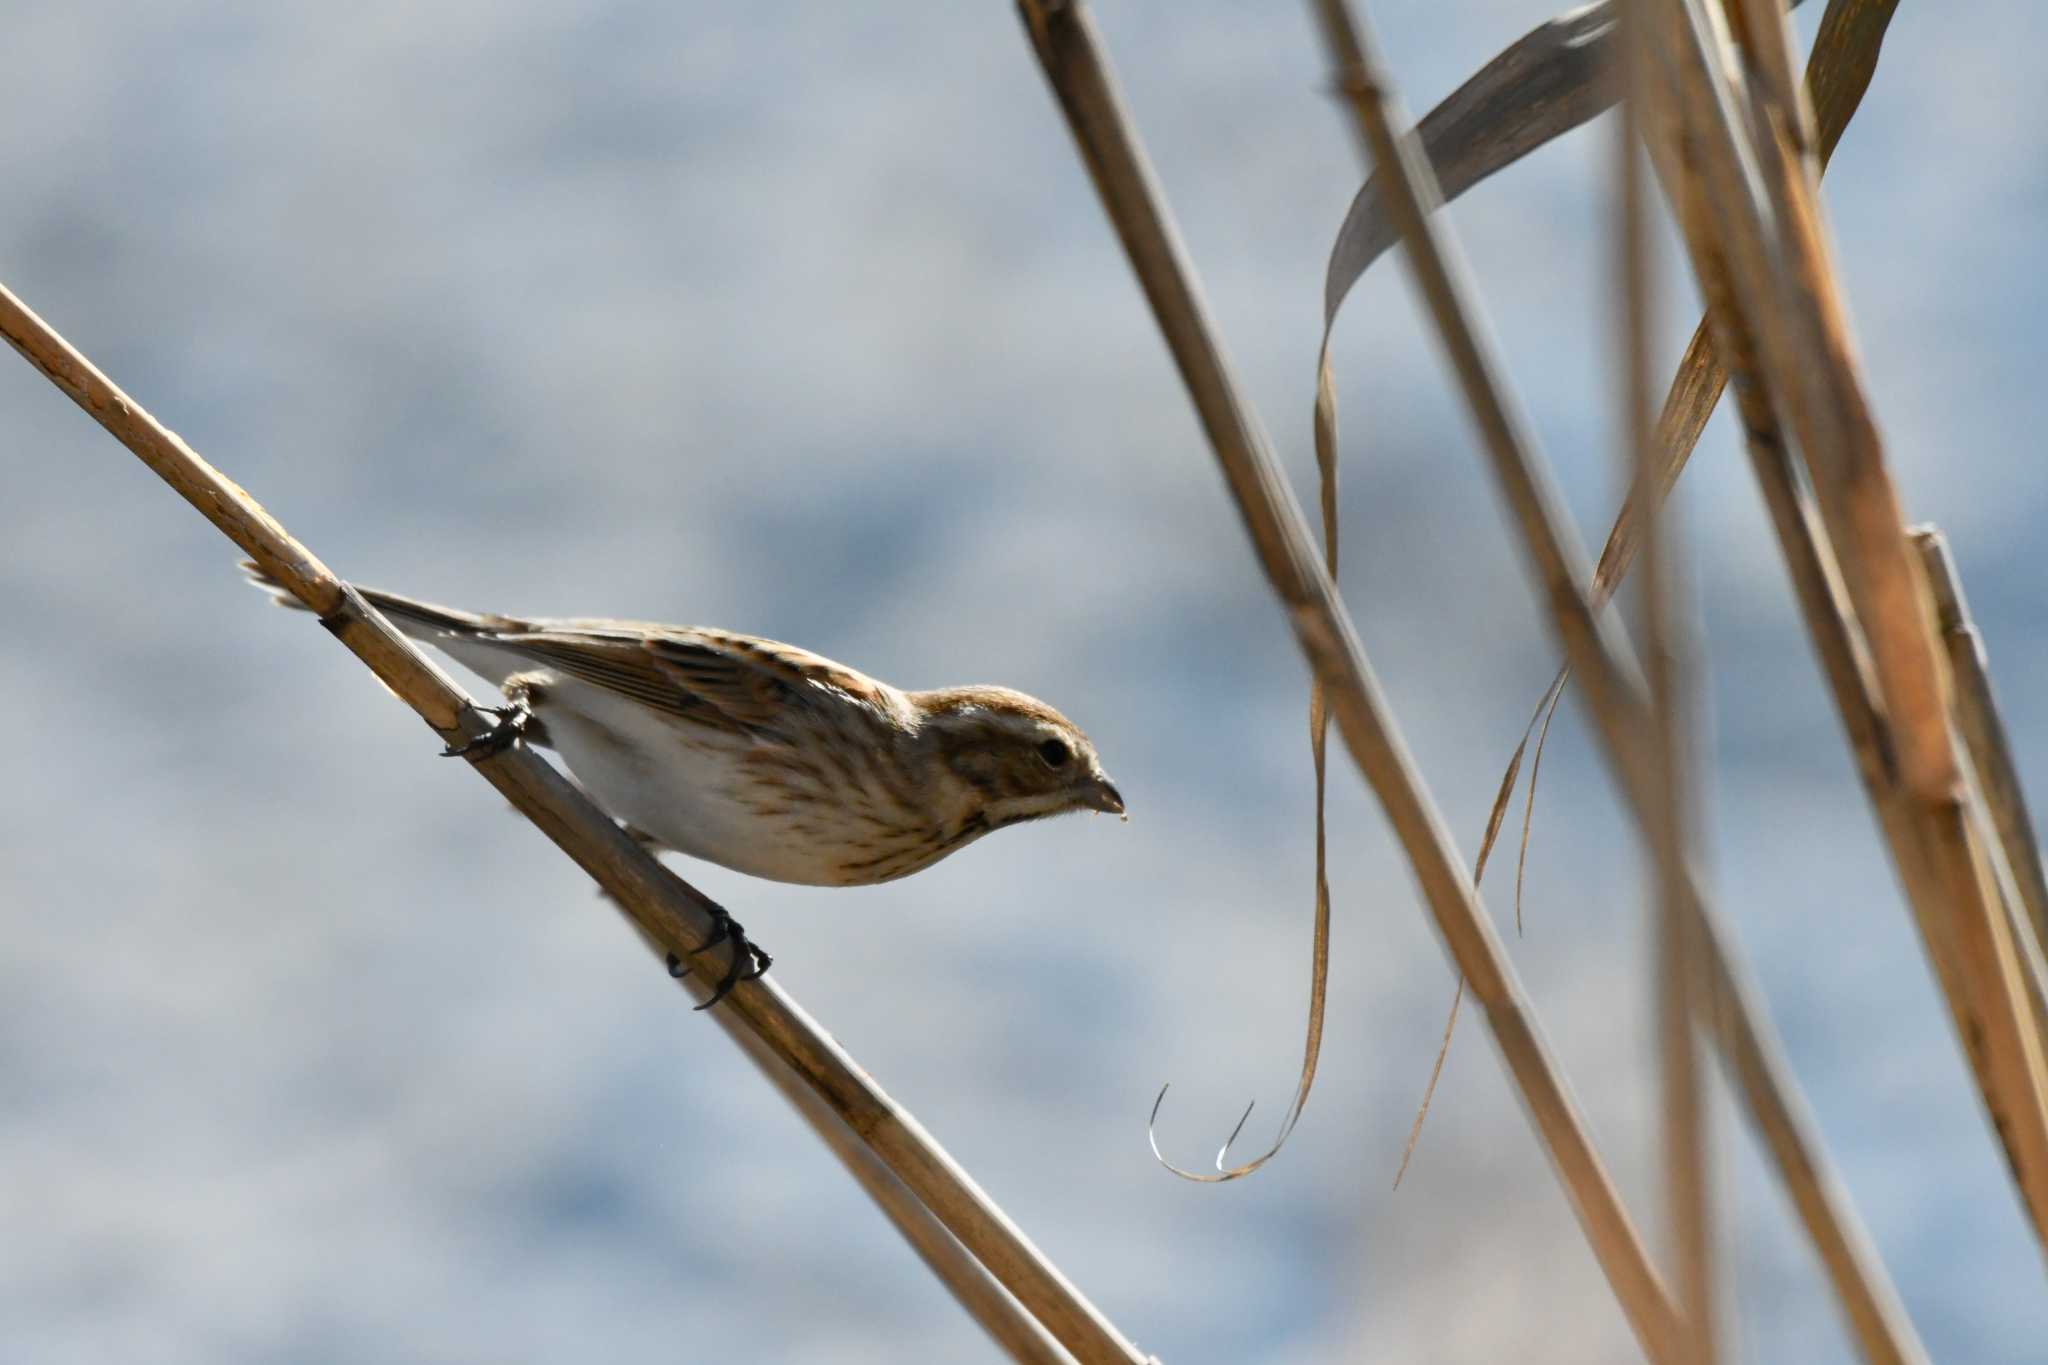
point(757, 755)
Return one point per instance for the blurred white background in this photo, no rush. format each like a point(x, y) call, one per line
point(801, 319)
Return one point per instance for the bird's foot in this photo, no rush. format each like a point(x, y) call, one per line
point(508, 728)
point(748, 960)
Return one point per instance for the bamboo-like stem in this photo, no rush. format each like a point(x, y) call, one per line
point(1765, 206)
point(1983, 733)
point(1913, 831)
point(1617, 710)
point(1881, 1327)
point(1734, 1008)
point(1545, 83)
point(1838, 73)
point(1014, 1331)
point(1340, 39)
point(1557, 561)
point(1670, 647)
point(1068, 48)
point(1019, 1335)
point(1758, 205)
point(1976, 722)
point(663, 906)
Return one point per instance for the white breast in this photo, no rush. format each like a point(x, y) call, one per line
point(688, 787)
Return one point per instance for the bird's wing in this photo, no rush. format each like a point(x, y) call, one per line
point(751, 680)
point(740, 683)
point(618, 661)
point(733, 682)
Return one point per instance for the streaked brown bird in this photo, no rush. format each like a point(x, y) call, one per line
point(760, 756)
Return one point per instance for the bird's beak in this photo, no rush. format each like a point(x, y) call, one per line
point(1101, 794)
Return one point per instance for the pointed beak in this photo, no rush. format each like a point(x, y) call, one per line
point(1101, 794)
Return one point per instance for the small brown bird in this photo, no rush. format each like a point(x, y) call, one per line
point(762, 757)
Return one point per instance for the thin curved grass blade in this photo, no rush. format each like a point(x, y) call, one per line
point(1501, 798)
point(1319, 969)
point(1319, 952)
point(1548, 708)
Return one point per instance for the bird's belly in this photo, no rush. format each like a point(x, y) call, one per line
point(696, 794)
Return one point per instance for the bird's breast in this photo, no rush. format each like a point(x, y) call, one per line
point(820, 809)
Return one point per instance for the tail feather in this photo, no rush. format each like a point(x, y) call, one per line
point(404, 611)
point(465, 635)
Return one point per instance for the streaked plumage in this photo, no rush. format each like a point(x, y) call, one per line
point(763, 757)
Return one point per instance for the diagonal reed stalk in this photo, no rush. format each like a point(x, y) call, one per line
point(1991, 762)
point(1019, 1335)
point(1752, 225)
point(1542, 85)
point(1614, 697)
point(1547, 82)
point(1068, 48)
point(661, 905)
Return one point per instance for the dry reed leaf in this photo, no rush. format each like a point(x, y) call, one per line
point(1543, 85)
point(1319, 952)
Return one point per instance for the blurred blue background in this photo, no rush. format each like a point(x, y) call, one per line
point(801, 319)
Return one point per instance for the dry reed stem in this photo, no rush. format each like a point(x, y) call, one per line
point(1915, 833)
point(1881, 1327)
point(1984, 736)
point(663, 906)
point(1838, 73)
point(1780, 283)
point(1670, 643)
point(1878, 1322)
point(1542, 85)
point(1067, 46)
point(1591, 645)
point(1877, 1319)
point(1734, 1009)
point(1786, 284)
point(1019, 1335)
point(1340, 40)
point(1556, 560)
point(1741, 1026)
point(1844, 60)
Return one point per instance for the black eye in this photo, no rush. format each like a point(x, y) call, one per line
point(1055, 753)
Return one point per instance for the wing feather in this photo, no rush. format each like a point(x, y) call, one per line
point(753, 680)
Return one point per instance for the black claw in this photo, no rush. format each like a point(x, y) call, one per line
point(747, 961)
point(725, 984)
point(723, 927)
point(509, 725)
point(677, 968)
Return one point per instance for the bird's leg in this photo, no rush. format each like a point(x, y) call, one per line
point(515, 721)
point(508, 729)
point(724, 929)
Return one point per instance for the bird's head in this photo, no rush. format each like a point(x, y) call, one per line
point(1012, 757)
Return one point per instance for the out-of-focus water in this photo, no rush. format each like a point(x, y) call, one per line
point(801, 319)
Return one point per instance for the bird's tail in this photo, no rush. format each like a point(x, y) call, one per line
point(424, 620)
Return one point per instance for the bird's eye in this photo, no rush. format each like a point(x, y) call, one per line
point(1055, 753)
